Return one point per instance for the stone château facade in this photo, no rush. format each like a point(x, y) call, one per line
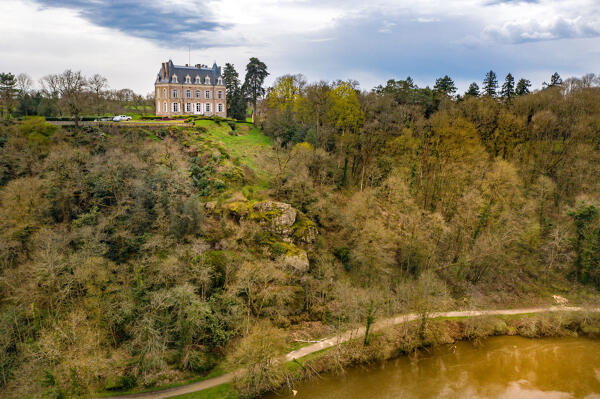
point(190, 90)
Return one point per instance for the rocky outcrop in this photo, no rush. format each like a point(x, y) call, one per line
point(298, 261)
point(279, 217)
point(276, 217)
point(305, 230)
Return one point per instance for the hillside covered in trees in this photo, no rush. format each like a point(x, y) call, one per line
point(139, 256)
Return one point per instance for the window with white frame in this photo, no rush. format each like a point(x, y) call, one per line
point(188, 94)
point(207, 107)
point(165, 93)
point(207, 80)
point(207, 94)
point(157, 105)
point(197, 79)
point(174, 94)
point(220, 107)
point(220, 94)
point(175, 107)
point(220, 81)
point(188, 107)
point(199, 107)
point(188, 79)
point(174, 78)
point(197, 93)
point(165, 107)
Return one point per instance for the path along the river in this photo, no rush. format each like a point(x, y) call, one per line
point(344, 337)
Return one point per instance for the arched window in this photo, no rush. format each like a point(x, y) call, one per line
point(165, 93)
point(197, 93)
point(188, 79)
point(165, 107)
point(207, 80)
point(220, 94)
point(220, 107)
point(197, 79)
point(207, 94)
point(207, 107)
point(188, 94)
point(174, 78)
point(174, 94)
point(220, 81)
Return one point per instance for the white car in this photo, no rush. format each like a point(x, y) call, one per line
point(121, 118)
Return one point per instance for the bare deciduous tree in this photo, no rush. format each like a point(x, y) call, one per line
point(70, 87)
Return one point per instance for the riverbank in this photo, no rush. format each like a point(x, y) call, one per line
point(397, 336)
point(497, 367)
point(406, 338)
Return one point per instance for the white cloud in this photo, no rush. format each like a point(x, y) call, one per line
point(323, 39)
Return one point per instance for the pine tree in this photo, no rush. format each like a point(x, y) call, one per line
point(473, 90)
point(7, 92)
point(445, 85)
point(523, 87)
point(555, 80)
point(256, 72)
point(490, 84)
point(235, 98)
point(508, 88)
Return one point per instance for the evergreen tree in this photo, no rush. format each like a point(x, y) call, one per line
point(473, 90)
point(445, 85)
point(7, 92)
point(236, 102)
point(508, 88)
point(231, 78)
point(523, 87)
point(490, 84)
point(237, 105)
point(256, 72)
point(555, 80)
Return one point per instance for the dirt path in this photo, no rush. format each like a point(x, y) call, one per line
point(346, 336)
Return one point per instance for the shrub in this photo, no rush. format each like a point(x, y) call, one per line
point(121, 383)
point(36, 129)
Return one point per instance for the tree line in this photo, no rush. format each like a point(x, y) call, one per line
point(469, 160)
point(69, 94)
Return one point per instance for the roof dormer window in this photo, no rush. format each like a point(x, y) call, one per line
point(197, 79)
point(207, 80)
point(188, 79)
point(220, 81)
point(174, 78)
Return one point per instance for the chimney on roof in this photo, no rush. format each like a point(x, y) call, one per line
point(187, 65)
point(198, 66)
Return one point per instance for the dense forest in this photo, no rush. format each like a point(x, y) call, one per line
point(138, 256)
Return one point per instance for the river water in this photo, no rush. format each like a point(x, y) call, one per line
point(500, 367)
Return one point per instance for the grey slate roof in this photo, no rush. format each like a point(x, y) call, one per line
point(181, 71)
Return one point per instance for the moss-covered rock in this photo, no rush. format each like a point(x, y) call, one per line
point(297, 260)
point(305, 230)
point(278, 216)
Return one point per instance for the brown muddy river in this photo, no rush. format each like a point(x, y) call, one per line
point(500, 367)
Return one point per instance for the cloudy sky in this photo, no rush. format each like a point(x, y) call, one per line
point(370, 41)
